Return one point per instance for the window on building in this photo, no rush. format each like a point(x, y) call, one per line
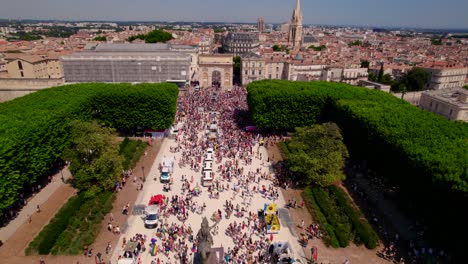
point(269, 76)
point(246, 72)
point(22, 74)
point(451, 112)
point(20, 65)
point(253, 72)
point(260, 72)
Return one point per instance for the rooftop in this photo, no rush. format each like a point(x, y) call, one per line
point(139, 47)
point(451, 96)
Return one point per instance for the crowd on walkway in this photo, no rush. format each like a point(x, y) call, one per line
point(234, 152)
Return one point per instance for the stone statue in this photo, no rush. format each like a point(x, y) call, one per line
point(204, 240)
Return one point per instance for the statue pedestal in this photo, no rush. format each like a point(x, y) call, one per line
point(215, 256)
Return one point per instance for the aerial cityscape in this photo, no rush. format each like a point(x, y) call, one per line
point(164, 132)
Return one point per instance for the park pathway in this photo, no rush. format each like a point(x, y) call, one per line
point(30, 209)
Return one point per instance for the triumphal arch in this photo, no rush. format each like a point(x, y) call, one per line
point(215, 70)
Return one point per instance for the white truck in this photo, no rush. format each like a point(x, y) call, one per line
point(167, 167)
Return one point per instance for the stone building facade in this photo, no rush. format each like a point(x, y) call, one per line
point(239, 43)
point(215, 70)
point(131, 63)
point(446, 77)
point(252, 68)
point(33, 67)
point(449, 103)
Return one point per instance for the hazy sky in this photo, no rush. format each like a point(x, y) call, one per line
point(419, 13)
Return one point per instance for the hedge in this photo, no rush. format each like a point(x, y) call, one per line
point(329, 237)
point(76, 225)
point(131, 151)
point(364, 231)
point(84, 226)
point(423, 154)
point(34, 128)
point(334, 215)
point(46, 239)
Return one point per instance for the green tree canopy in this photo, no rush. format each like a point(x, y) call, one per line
point(154, 36)
point(318, 48)
point(100, 38)
point(94, 155)
point(416, 79)
point(372, 76)
point(365, 64)
point(277, 47)
point(237, 69)
point(436, 41)
point(355, 43)
point(317, 154)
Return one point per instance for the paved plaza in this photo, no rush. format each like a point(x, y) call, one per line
point(233, 186)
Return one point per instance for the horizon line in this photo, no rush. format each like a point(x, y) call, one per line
point(221, 22)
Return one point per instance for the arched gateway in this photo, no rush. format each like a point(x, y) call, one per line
point(216, 70)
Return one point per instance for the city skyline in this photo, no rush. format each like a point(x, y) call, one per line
point(397, 13)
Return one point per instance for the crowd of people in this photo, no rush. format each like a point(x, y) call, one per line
point(234, 152)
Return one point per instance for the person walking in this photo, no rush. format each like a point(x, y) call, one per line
point(38, 209)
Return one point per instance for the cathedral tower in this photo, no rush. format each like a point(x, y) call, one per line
point(295, 28)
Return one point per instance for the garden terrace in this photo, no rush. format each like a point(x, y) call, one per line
point(34, 128)
point(423, 154)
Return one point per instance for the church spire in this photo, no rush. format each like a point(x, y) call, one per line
point(295, 28)
point(297, 14)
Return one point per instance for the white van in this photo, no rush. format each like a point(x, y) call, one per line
point(210, 151)
point(209, 157)
point(208, 166)
point(152, 215)
point(207, 179)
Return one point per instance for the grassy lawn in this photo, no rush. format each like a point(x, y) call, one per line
point(339, 219)
point(78, 222)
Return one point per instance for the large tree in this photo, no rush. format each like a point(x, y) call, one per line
point(416, 79)
point(154, 36)
point(94, 155)
point(237, 70)
point(317, 154)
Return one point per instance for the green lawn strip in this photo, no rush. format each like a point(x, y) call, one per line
point(131, 151)
point(45, 240)
point(85, 225)
point(329, 237)
point(335, 215)
point(364, 231)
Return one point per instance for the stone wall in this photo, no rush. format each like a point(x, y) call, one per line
point(12, 88)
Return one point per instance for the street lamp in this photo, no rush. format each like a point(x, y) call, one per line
point(143, 170)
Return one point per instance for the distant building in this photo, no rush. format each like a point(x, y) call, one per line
point(131, 63)
point(33, 66)
point(299, 69)
point(284, 27)
point(446, 77)
point(252, 68)
point(239, 43)
point(295, 28)
point(310, 40)
point(275, 68)
point(260, 25)
point(204, 46)
point(449, 103)
point(374, 85)
point(345, 75)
